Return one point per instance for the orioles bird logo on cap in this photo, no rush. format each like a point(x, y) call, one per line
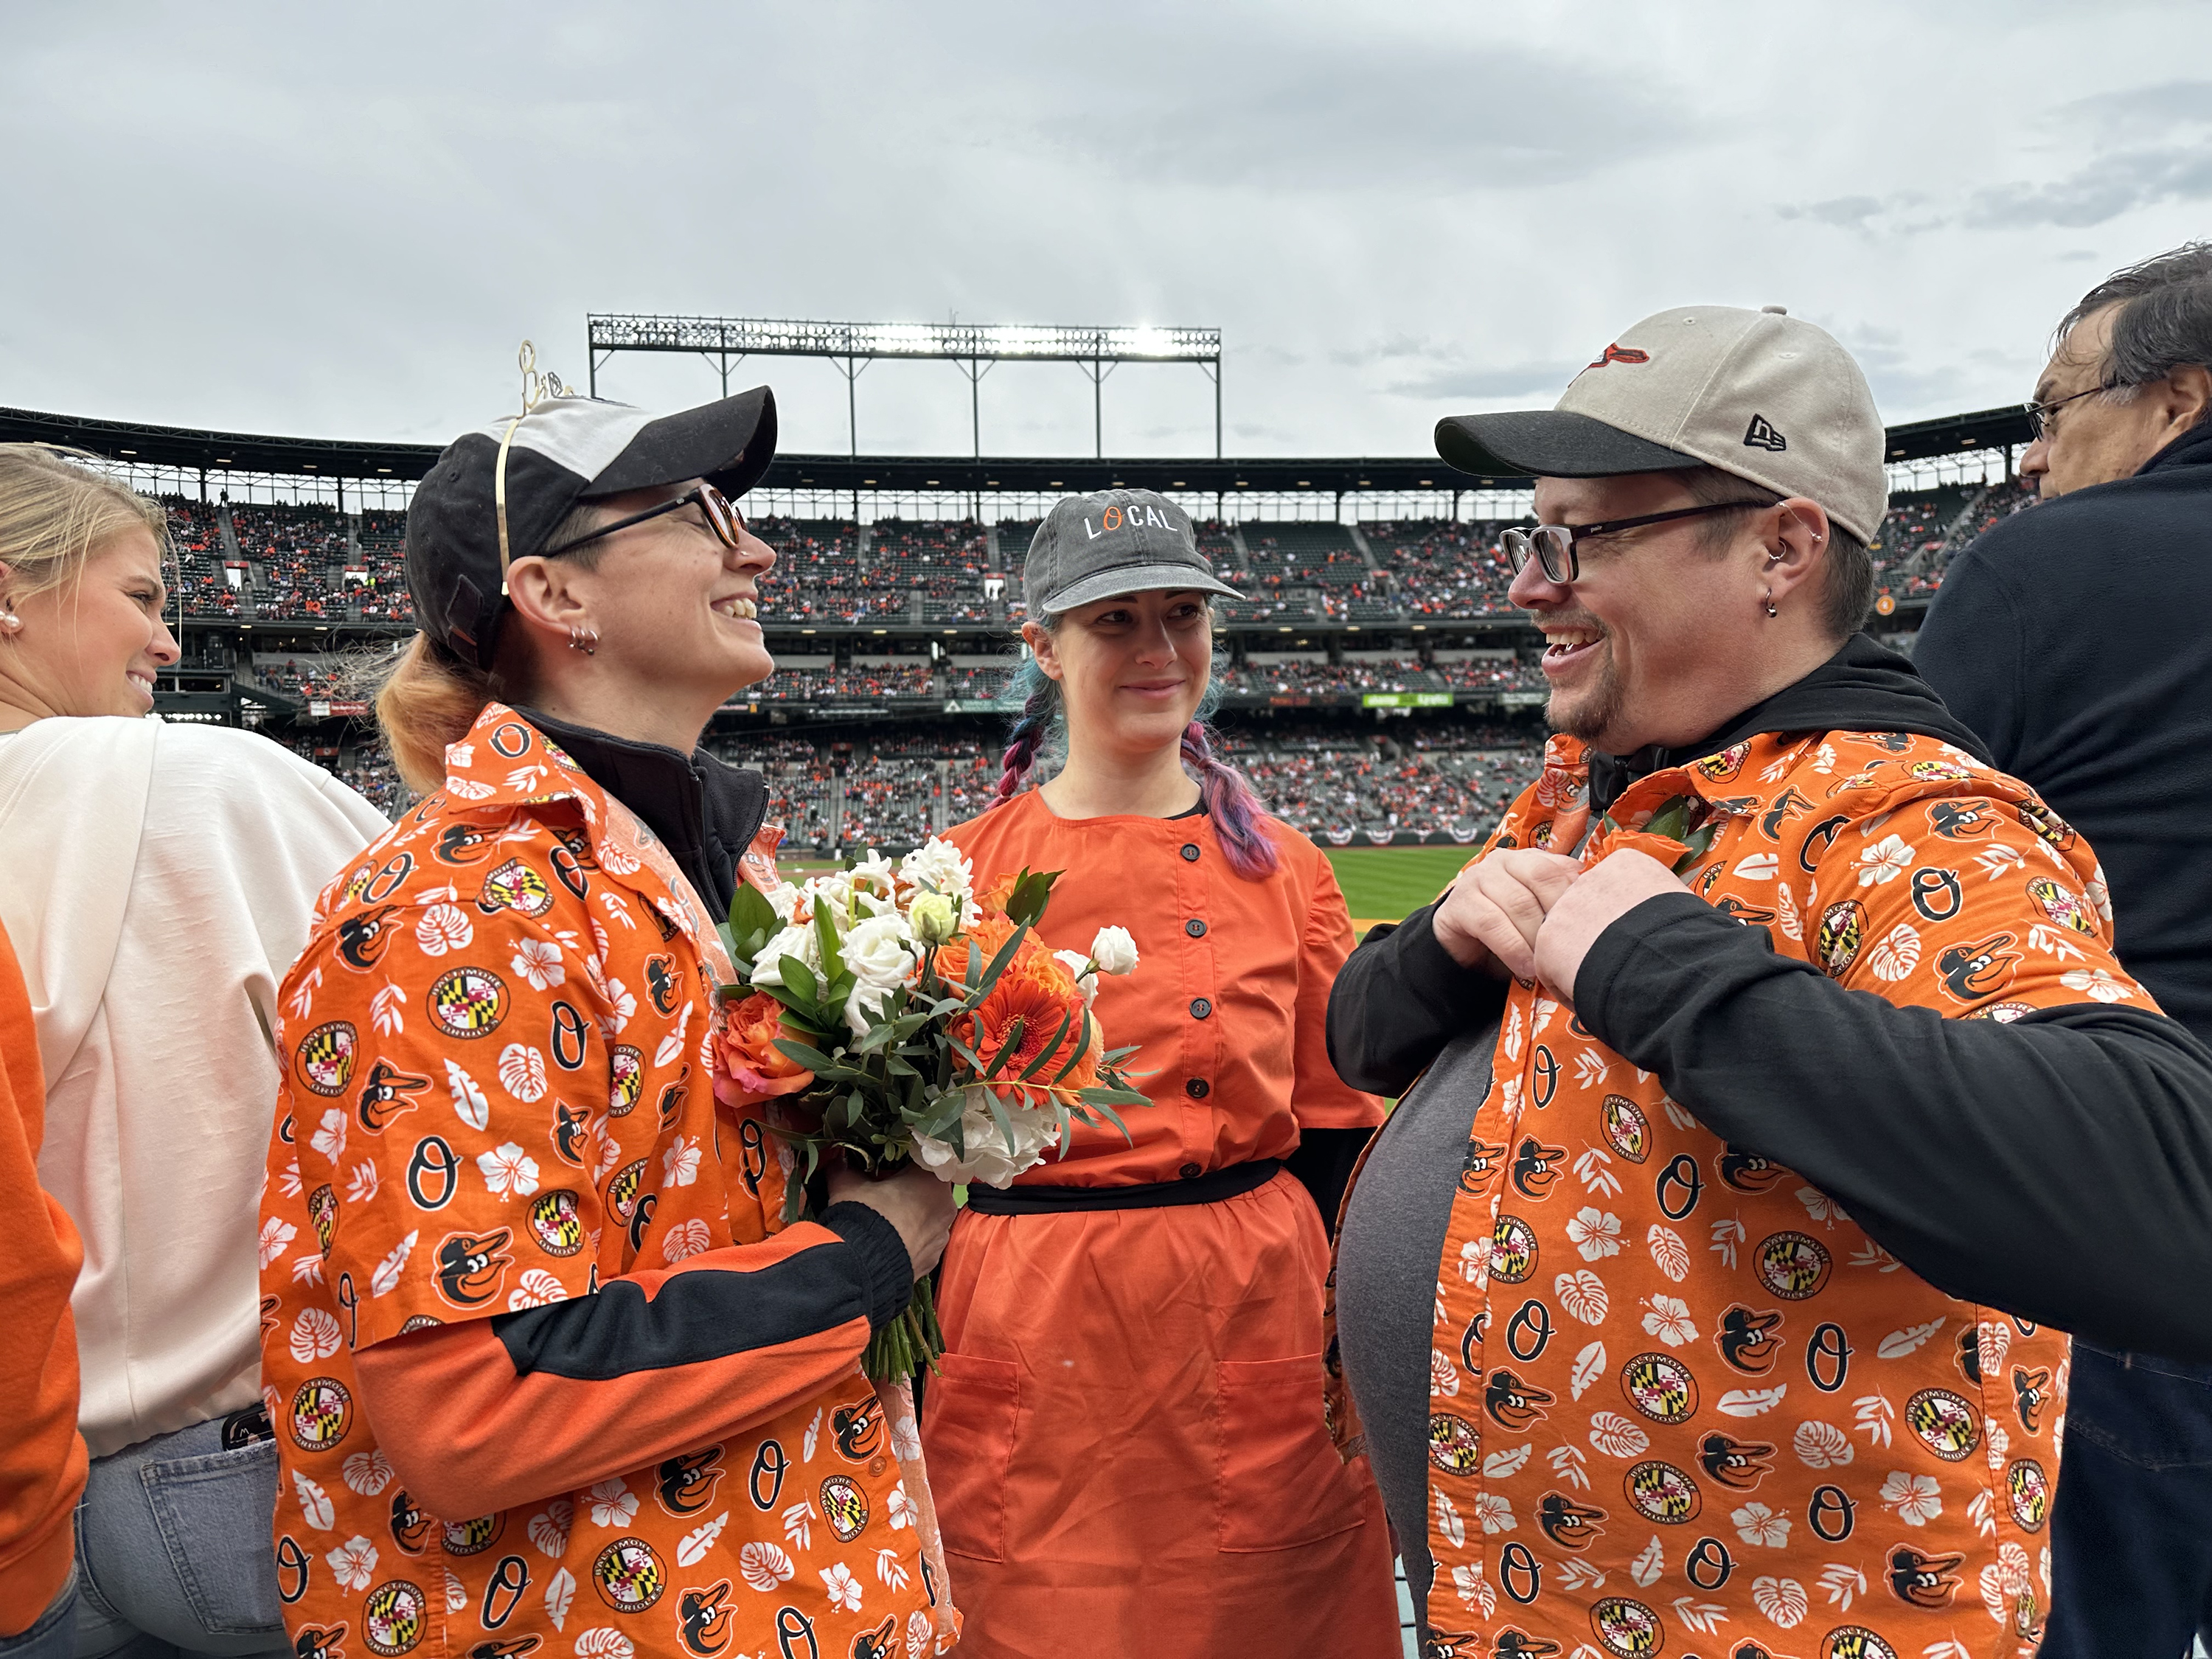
point(1618, 353)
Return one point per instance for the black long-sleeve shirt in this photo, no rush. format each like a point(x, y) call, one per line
point(2059, 1167)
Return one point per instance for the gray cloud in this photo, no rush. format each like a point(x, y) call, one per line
point(2107, 188)
point(1851, 212)
point(1292, 109)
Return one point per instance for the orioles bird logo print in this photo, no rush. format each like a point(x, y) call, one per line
point(472, 1265)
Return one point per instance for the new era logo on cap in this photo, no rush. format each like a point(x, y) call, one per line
point(1760, 435)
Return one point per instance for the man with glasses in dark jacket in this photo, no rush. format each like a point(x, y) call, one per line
point(2076, 640)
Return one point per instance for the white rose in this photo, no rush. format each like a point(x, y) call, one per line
point(880, 954)
point(874, 870)
point(935, 917)
point(796, 940)
point(880, 951)
point(783, 899)
point(1114, 951)
point(937, 866)
point(837, 891)
point(989, 1162)
point(1086, 976)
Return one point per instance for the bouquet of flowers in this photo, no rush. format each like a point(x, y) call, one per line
point(896, 1014)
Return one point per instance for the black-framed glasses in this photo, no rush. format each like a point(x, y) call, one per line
point(722, 517)
point(1552, 545)
point(2039, 422)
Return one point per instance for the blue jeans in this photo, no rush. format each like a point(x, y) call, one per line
point(174, 1551)
point(54, 1635)
point(2131, 1536)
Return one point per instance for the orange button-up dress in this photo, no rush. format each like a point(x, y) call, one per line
point(1128, 1440)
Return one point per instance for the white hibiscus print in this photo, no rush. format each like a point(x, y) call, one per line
point(444, 927)
point(899, 1509)
point(679, 1166)
point(1917, 1498)
point(508, 1170)
point(275, 1234)
point(354, 1562)
point(612, 1504)
point(2101, 986)
point(1596, 1233)
point(1755, 1523)
point(1495, 1512)
point(843, 1589)
point(330, 1139)
point(1886, 860)
point(537, 961)
point(1668, 1318)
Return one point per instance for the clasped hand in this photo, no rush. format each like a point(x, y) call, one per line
point(1535, 915)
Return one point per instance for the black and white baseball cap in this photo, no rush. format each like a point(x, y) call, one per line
point(565, 450)
point(1761, 394)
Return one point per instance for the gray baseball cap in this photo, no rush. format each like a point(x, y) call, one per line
point(1117, 542)
point(1761, 394)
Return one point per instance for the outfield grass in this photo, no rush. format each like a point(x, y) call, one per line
point(1381, 883)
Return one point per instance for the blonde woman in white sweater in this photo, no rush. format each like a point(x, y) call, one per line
point(156, 881)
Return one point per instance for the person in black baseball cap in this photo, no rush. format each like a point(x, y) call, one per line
point(586, 563)
point(537, 943)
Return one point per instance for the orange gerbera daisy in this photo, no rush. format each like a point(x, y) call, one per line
point(1040, 994)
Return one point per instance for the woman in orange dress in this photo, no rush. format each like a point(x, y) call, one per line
point(1126, 1439)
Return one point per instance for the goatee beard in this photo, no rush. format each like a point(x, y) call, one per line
point(1597, 711)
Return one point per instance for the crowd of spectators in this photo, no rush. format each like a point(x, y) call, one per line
point(1443, 568)
point(917, 678)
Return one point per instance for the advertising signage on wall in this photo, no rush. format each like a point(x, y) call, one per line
point(1405, 700)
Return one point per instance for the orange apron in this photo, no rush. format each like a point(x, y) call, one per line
point(1127, 1441)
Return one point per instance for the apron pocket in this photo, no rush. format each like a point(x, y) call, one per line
point(968, 1440)
point(1280, 1482)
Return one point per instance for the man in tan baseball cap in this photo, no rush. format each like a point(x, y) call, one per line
point(1771, 1095)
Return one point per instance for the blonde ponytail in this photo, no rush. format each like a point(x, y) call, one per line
point(426, 701)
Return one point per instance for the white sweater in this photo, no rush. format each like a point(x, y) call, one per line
point(156, 881)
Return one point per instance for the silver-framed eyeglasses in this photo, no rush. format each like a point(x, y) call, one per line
point(1552, 545)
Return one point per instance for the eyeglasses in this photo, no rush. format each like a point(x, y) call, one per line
point(2039, 423)
point(722, 517)
point(1552, 545)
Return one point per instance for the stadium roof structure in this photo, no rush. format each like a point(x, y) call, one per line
point(330, 458)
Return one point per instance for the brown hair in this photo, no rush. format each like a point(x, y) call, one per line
point(1847, 588)
point(56, 512)
point(427, 698)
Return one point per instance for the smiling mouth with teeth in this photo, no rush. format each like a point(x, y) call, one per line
point(747, 610)
point(1564, 643)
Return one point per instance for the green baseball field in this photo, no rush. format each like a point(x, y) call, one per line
point(1381, 883)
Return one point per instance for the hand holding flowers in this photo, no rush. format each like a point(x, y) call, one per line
point(895, 1014)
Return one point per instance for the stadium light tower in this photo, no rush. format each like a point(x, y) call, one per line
point(974, 348)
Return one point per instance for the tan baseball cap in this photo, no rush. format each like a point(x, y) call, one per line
point(1757, 393)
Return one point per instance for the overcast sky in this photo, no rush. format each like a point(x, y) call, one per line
point(340, 222)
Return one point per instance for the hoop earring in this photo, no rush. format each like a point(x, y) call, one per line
point(585, 640)
point(1771, 610)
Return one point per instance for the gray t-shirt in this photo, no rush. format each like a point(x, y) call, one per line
point(1386, 1281)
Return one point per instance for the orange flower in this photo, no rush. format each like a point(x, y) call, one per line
point(1040, 993)
point(752, 1068)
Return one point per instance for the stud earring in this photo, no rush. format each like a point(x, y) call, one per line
point(585, 640)
point(9, 621)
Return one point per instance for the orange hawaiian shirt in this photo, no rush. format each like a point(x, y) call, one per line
point(1681, 1403)
point(496, 1098)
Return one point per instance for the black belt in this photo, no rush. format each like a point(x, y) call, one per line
point(1209, 1189)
